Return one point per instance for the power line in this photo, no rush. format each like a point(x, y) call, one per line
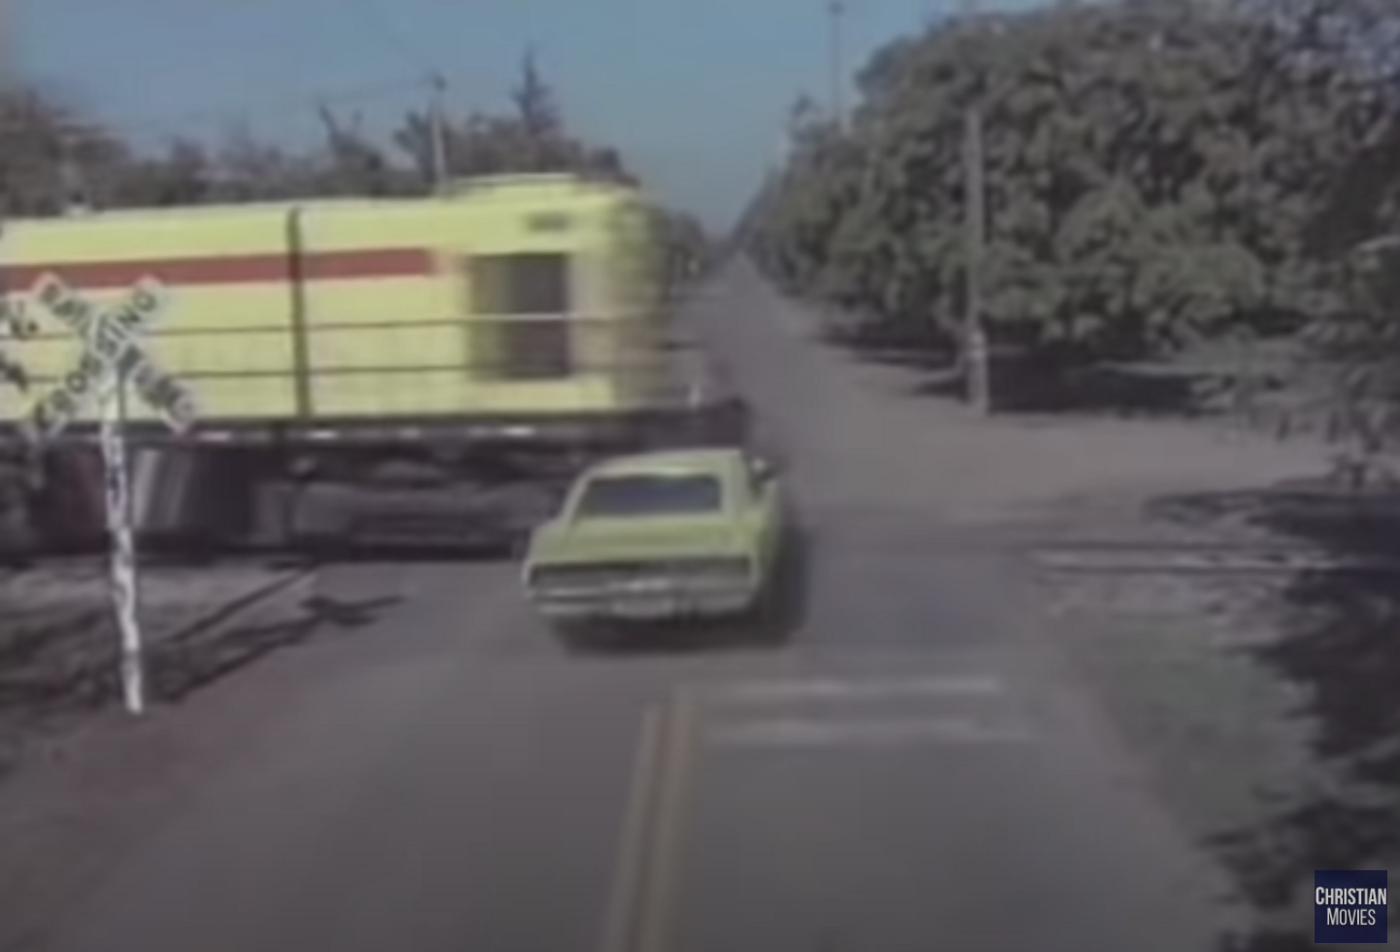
point(376, 22)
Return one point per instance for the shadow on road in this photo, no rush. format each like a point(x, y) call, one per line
point(912, 344)
point(199, 659)
point(1339, 637)
point(1027, 386)
point(1085, 388)
point(1041, 382)
point(56, 673)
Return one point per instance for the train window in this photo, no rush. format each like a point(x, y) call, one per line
point(523, 302)
point(519, 284)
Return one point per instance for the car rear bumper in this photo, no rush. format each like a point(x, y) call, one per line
point(652, 602)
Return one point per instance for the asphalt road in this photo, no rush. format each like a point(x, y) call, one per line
point(914, 772)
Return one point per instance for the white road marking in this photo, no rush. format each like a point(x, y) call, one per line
point(850, 689)
point(873, 733)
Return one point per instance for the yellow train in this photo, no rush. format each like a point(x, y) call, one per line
point(479, 343)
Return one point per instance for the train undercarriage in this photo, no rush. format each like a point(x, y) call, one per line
point(353, 491)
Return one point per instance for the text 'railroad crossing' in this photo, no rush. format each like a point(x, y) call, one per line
point(113, 354)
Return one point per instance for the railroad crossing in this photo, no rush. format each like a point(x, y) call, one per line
point(113, 357)
point(114, 354)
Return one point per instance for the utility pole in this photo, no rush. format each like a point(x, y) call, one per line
point(437, 122)
point(124, 584)
point(976, 355)
point(836, 10)
point(975, 331)
point(76, 199)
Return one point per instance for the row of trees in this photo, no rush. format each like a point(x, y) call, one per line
point(1159, 174)
point(52, 155)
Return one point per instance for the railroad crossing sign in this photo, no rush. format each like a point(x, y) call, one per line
point(113, 356)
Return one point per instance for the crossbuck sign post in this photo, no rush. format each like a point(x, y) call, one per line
point(113, 358)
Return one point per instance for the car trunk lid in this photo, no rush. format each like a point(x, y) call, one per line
point(645, 540)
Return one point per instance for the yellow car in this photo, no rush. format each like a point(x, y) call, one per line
point(663, 536)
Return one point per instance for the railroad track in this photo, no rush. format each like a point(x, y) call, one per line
point(278, 582)
point(1119, 556)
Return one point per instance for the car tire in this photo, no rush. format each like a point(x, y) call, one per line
point(780, 610)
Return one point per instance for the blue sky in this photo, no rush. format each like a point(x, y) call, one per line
point(695, 93)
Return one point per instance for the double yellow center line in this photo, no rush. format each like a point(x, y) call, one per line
point(641, 909)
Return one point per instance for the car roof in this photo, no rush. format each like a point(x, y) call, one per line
point(716, 462)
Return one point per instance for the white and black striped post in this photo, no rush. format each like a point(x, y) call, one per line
point(125, 580)
point(125, 583)
point(113, 362)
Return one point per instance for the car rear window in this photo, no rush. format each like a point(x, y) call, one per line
point(650, 495)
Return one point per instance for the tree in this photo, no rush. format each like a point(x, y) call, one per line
point(538, 119)
point(1151, 168)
